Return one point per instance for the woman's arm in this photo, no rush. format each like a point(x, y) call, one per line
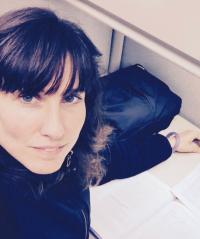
point(137, 154)
point(189, 141)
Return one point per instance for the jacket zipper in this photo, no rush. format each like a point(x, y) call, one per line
point(85, 223)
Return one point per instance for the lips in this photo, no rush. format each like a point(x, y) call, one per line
point(49, 148)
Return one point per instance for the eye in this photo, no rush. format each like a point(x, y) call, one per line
point(27, 99)
point(73, 98)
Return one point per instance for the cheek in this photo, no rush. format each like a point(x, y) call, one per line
point(77, 120)
point(80, 117)
point(15, 124)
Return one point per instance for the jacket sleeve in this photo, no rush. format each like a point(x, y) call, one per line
point(134, 155)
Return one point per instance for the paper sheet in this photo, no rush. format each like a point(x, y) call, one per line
point(123, 205)
point(188, 191)
point(172, 222)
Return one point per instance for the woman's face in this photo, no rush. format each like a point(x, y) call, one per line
point(40, 132)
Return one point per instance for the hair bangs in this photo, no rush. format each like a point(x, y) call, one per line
point(32, 57)
point(35, 56)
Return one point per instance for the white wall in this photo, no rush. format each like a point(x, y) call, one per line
point(7, 5)
point(99, 33)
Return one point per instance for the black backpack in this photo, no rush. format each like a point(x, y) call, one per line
point(136, 102)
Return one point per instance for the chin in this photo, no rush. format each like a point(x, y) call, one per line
point(46, 167)
point(46, 171)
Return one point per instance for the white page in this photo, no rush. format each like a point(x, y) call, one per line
point(122, 205)
point(172, 222)
point(188, 191)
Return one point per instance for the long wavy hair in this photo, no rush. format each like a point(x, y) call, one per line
point(34, 44)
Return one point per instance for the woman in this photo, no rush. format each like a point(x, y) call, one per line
point(51, 133)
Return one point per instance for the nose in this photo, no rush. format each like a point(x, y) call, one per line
point(53, 125)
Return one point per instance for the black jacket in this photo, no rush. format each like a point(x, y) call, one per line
point(138, 105)
point(63, 210)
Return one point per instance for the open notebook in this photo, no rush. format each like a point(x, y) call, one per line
point(144, 207)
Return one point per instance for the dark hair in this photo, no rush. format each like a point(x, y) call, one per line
point(34, 44)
